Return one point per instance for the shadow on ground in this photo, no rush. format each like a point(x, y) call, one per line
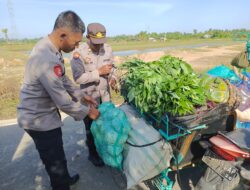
point(22, 169)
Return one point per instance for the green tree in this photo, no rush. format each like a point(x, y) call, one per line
point(143, 35)
point(5, 32)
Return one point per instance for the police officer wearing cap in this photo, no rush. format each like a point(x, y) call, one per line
point(46, 90)
point(92, 68)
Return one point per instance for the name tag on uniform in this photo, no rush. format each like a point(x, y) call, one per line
point(87, 60)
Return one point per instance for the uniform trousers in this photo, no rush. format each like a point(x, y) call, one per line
point(90, 139)
point(49, 145)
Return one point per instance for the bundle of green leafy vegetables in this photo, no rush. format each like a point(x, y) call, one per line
point(168, 85)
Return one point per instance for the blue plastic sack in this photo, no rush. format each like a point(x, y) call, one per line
point(226, 73)
point(110, 132)
point(242, 124)
point(244, 90)
point(247, 74)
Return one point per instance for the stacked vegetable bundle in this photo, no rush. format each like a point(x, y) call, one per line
point(168, 85)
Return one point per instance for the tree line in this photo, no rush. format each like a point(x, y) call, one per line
point(164, 36)
point(211, 33)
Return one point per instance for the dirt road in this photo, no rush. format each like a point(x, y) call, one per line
point(201, 59)
point(21, 168)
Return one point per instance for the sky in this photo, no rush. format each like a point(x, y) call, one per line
point(35, 18)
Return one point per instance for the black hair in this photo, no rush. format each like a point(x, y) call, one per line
point(70, 20)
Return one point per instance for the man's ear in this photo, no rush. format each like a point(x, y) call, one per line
point(63, 35)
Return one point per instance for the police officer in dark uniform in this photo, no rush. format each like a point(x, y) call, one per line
point(46, 90)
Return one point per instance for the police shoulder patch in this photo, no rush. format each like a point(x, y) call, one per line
point(76, 55)
point(58, 70)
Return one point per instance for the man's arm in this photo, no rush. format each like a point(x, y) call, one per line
point(72, 89)
point(77, 93)
point(243, 116)
point(79, 74)
point(53, 84)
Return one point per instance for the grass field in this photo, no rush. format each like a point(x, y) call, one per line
point(135, 45)
point(14, 56)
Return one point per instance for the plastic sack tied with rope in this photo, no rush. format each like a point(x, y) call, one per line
point(110, 133)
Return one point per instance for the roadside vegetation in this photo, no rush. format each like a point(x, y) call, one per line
point(14, 54)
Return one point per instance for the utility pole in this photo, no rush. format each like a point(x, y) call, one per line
point(13, 28)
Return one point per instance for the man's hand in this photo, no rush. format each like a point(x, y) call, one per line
point(113, 85)
point(93, 113)
point(89, 100)
point(105, 69)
